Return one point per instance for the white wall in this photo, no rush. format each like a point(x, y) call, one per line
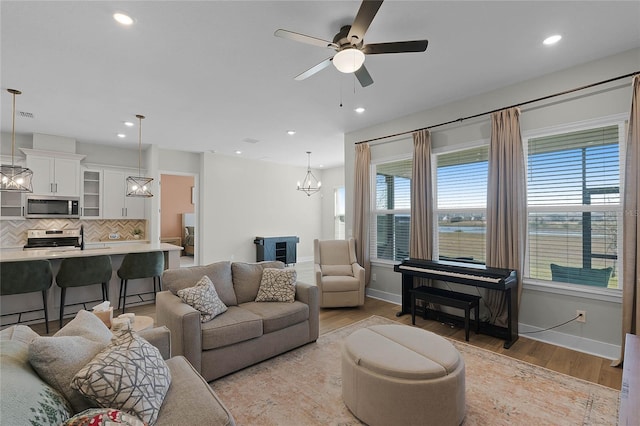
point(601, 334)
point(331, 180)
point(243, 199)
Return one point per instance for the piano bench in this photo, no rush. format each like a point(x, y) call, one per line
point(454, 299)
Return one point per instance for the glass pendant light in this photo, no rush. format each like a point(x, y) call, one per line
point(138, 186)
point(15, 178)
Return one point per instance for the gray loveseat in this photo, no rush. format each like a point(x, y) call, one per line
point(27, 399)
point(248, 332)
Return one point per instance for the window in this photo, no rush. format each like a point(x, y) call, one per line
point(574, 208)
point(461, 205)
point(390, 214)
point(338, 214)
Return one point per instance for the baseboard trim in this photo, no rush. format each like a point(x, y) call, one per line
point(576, 343)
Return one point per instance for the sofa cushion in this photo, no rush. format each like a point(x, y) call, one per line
point(26, 398)
point(277, 285)
point(247, 277)
point(129, 375)
point(59, 357)
point(278, 315)
point(204, 298)
point(219, 273)
point(336, 283)
point(190, 400)
point(236, 325)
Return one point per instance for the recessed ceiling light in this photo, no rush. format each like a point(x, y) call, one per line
point(123, 19)
point(359, 110)
point(238, 152)
point(121, 135)
point(128, 123)
point(291, 132)
point(552, 39)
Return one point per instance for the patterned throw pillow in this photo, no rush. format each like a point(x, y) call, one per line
point(277, 285)
point(103, 417)
point(204, 298)
point(129, 375)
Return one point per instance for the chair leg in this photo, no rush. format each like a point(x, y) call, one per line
point(105, 291)
point(120, 294)
point(124, 296)
point(46, 314)
point(62, 294)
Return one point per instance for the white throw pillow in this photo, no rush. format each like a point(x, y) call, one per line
point(129, 375)
point(277, 285)
point(204, 298)
point(59, 357)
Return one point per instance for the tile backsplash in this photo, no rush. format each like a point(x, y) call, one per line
point(13, 233)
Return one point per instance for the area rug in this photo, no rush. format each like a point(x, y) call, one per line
point(303, 387)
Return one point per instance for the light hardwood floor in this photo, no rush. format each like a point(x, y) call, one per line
point(577, 364)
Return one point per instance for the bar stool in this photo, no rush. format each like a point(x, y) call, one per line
point(27, 276)
point(81, 272)
point(140, 265)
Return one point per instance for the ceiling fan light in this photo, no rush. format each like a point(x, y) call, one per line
point(348, 60)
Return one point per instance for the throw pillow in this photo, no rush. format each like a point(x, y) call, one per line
point(103, 417)
point(59, 357)
point(129, 375)
point(219, 273)
point(25, 398)
point(337, 270)
point(277, 285)
point(203, 297)
point(21, 333)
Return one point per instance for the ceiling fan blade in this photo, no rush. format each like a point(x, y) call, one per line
point(395, 47)
point(363, 76)
point(304, 38)
point(366, 13)
point(311, 71)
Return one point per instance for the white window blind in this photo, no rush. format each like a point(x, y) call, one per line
point(391, 211)
point(462, 204)
point(574, 206)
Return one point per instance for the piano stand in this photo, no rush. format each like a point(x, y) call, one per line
point(440, 296)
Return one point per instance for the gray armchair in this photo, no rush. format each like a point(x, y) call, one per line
point(339, 277)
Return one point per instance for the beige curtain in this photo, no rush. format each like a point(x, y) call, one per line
point(631, 223)
point(362, 206)
point(506, 206)
point(421, 227)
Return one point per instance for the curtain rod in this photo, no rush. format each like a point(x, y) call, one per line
point(461, 119)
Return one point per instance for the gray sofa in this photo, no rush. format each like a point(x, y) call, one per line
point(27, 399)
point(248, 332)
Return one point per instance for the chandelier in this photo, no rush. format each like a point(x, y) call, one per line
point(310, 184)
point(138, 186)
point(15, 178)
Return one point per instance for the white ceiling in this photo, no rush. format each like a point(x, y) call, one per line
point(210, 74)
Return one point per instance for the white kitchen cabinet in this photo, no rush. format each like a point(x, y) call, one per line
point(116, 205)
point(54, 173)
point(92, 194)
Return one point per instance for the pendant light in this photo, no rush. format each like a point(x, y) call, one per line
point(15, 178)
point(310, 184)
point(138, 186)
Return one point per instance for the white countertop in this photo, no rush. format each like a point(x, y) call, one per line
point(11, 255)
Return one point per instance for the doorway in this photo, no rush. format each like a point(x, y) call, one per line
point(178, 218)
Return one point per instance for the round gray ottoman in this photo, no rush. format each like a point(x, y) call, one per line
point(397, 374)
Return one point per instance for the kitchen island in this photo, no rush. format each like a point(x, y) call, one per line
point(25, 302)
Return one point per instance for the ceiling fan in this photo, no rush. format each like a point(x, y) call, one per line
point(349, 45)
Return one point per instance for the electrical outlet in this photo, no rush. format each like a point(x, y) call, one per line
point(582, 316)
point(374, 277)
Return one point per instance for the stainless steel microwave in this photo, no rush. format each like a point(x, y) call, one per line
point(38, 206)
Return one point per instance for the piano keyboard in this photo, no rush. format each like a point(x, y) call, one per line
point(451, 274)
